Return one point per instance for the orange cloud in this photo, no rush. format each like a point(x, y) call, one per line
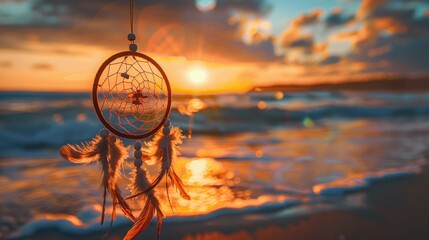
point(297, 45)
point(170, 28)
point(379, 51)
point(251, 29)
point(389, 24)
point(42, 66)
point(344, 35)
point(369, 5)
point(306, 19)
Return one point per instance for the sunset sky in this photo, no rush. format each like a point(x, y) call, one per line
point(209, 46)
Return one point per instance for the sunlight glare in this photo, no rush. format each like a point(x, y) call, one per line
point(198, 169)
point(197, 76)
point(204, 171)
point(195, 105)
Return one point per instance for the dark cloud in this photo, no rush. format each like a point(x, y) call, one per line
point(337, 18)
point(401, 53)
point(389, 38)
point(306, 43)
point(402, 20)
point(386, 35)
point(249, 6)
point(390, 23)
point(367, 6)
point(392, 39)
point(330, 60)
point(165, 27)
point(303, 43)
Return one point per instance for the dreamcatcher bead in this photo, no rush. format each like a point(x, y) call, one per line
point(137, 145)
point(138, 154)
point(166, 130)
point(125, 75)
point(138, 162)
point(167, 122)
point(104, 133)
point(133, 47)
point(112, 139)
point(131, 37)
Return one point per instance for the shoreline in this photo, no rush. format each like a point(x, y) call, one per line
point(393, 209)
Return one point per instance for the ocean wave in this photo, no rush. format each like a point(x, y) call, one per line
point(59, 118)
point(54, 130)
point(52, 136)
point(87, 220)
point(343, 186)
point(232, 120)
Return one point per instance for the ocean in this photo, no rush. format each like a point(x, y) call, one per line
point(264, 152)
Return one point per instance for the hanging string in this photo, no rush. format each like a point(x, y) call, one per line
point(131, 35)
point(132, 15)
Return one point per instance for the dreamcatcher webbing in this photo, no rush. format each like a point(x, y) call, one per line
point(131, 95)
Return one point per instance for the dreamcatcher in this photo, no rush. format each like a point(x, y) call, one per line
point(132, 99)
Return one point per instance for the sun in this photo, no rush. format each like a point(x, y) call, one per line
point(197, 76)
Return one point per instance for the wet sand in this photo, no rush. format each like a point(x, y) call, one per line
point(394, 209)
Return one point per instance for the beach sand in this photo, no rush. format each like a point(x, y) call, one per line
point(392, 209)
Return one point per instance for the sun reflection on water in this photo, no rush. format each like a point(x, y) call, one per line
point(212, 186)
point(200, 172)
point(205, 179)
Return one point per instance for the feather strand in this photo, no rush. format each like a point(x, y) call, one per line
point(150, 188)
point(117, 153)
point(110, 153)
point(139, 181)
point(142, 222)
point(123, 205)
point(164, 149)
point(177, 182)
point(87, 153)
point(104, 206)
